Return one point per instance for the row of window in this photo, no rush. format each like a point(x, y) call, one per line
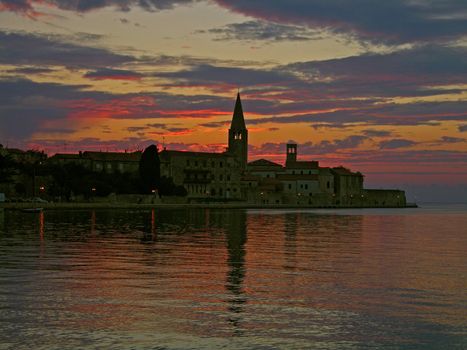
point(109, 166)
point(204, 163)
point(200, 189)
point(207, 176)
point(302, 186)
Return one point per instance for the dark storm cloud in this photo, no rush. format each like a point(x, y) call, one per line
point(32, 49)
point(392, 21)
point(263, 31)
point(396, 143)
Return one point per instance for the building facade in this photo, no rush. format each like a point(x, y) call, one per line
point(228, 176)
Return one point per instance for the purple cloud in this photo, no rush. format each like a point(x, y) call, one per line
point(396, 143)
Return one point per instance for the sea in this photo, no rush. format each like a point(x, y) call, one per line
point(234, 279)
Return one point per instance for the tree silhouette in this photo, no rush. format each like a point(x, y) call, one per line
point(149, 169)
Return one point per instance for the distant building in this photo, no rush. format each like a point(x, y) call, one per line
point(109, 162)
point(212, 175)
point(229, 176)
point(24, 157)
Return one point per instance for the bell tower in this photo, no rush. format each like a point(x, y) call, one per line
point(238, 134)
point(291, 153)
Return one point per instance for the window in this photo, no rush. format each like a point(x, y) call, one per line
point(204, 163)
point(301, 172)
point(221, 177)
point(306, 186)
point(228, 177)
point(327, 184)
point(188, 162)
point(196, 163)
point(290, 186)
point(220, 164)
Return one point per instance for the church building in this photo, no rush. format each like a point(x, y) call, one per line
point(212, 175)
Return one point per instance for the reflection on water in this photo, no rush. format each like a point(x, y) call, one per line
point(236, 239)
point(233, 278)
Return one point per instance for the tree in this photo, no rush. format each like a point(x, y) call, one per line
point(7, 168)
point(149, 169)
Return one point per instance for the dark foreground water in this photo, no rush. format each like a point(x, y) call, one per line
point(234, 279)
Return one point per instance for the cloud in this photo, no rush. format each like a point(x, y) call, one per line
point(32, 70)
point(259, 30)
point(401, 73)
point(309, 148)
point(396, 143)
point(34, 49)
point(376, 133)
point(136, 128)
point(112, 74)
point(215, 124)
point(449, 139)
point(207, 74)
point(395, 21)
point(26, 106)
point(27, 7)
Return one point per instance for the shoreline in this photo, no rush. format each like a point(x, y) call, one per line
point(91, 205)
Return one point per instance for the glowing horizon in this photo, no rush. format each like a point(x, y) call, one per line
point(387, 98)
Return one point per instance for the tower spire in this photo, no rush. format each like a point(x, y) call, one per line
point(238, 134)
point(238, 121)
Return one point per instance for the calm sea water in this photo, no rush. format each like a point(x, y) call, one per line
point(234, 279)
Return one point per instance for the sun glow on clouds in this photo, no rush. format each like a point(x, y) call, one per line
point(352, 92)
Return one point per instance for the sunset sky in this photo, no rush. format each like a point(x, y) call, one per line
point(378, 86)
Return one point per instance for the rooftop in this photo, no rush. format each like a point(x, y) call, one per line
point(264, 162)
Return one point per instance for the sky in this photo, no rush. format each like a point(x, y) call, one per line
point(376, 86)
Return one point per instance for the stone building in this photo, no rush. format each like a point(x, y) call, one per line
point(208, 175)
point(228, 176)
point(108, 162)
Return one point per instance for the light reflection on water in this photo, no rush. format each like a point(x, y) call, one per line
point(233, 279)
